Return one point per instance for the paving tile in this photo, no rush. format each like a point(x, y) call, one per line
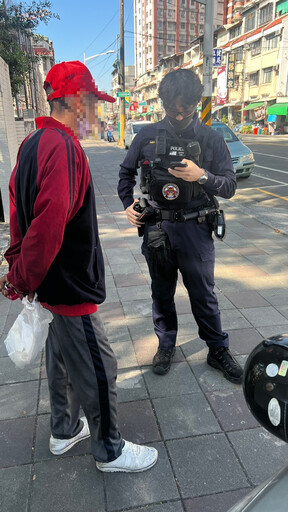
point(43, 433)
point(273, 330)
point(174, 506)
point(119, 256)
point(141, 327)
point(231, 410)
point(111, 312)
point(145, 349)
point(193, 350)
point(130, 385)
point(116, 331)
point(137, 422)
point(215, 502)
point(3, 350)
point(234, 319)
point(112, 296)
point(139, 292)
point(125, 269)
point(260, 317)
point(205, 464)
point(10, 373)
point(125, 355)
point(246, 299)
point(44, 400)
point(69, 478)
point(261, 453)
point(137, 308)
point(210, 379)
point(151, 486)
point(175, 421)
point(18, 400)
point(179, 381)
point(14, 489)
point(16, 441)
point(275, 296)
point(132, 280)
point(242, 341)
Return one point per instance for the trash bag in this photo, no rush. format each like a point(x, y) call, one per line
point(29, 332)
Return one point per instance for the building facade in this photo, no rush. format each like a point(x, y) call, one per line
point(167, 27)
point(253, 71)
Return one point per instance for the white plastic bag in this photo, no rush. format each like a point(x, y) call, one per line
point(29, 332)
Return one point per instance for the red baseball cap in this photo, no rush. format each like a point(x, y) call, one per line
point(68, 78)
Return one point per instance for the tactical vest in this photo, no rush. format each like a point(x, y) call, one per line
point(168, 191)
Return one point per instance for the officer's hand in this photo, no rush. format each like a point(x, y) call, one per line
point(3, 281)
point(189, 173)
point(132, 215)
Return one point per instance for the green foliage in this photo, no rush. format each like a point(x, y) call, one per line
point(246, 129)
point(17, 24)
point(224, 119)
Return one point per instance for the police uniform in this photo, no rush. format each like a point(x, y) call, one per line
point(191, 242)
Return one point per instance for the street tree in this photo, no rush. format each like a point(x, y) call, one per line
point(18, 22)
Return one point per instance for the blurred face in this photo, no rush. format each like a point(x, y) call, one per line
point(179, 114)
point(86, 115)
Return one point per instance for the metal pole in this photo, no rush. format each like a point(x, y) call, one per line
point(122, 75)
point(207, 63)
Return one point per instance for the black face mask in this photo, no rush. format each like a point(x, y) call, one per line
point(181, 125)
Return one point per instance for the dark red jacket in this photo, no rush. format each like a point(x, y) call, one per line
point(55, 247)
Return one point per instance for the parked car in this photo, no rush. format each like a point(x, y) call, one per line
point(131, 130)
point(242, 156)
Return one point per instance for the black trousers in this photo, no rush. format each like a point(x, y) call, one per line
point(194, 256)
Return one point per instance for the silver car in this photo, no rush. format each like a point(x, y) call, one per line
point(132, 129)
point(242, 156)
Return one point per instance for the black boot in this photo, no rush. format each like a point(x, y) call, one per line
point(162, 361)
point(222, 359)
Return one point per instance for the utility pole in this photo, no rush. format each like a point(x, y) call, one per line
point(122, 76)
point(206, 116)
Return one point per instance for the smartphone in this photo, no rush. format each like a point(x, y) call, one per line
point(12, 293)
point(172, 165)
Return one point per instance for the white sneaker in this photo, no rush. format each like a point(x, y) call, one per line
point(134, 458)
point(59, 446)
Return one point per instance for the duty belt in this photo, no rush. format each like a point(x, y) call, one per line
point(181, 215)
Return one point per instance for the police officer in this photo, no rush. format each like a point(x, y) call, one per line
point(173, 231)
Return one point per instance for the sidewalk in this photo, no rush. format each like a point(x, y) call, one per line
point(211, 450)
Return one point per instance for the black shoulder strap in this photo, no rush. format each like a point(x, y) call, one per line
point(202, 137)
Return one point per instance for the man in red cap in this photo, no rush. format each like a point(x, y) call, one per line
point(55, 251)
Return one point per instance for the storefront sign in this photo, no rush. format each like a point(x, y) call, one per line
point(231, 71)
point(221, 86)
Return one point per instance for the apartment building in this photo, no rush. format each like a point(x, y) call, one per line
point(167, 27)
point(255, 47)
point(254, 44)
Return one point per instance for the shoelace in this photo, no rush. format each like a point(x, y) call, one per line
point(166, 354)
point(225, 357)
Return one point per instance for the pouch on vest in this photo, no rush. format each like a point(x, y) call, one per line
point(170, 192)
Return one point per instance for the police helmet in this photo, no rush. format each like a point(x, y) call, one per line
point(265, 384)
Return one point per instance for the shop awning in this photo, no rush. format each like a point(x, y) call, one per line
point(282, 7)
point(252, 106)
point(279, 109)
